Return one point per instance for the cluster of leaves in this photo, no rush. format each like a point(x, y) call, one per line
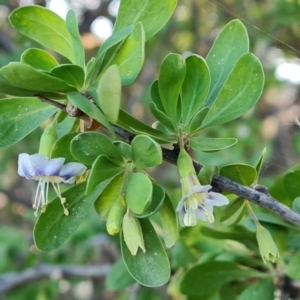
point(189, 95)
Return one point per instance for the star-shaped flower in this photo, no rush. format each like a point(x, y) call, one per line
point(47, 171)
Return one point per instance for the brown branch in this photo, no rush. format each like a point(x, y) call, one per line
point(12, 280)
point(219, 182)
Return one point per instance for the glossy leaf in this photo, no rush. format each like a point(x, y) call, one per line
point(296, 205)
point(156, 97)
point(138, 192)
point(151, 13)
point(158, 196)
point(239, 93)
point(109, 93)
point(260, 163)
point(231, 43)
point(263, 289)
point(292, 268)
point(171, 76)
point(118, 277)
point(20, 116)
point(213, 275)
point(169, 222)
point(26, 77)
point(62, 147)
point(89, 108)
point(211, 144)
point(241, 173)
point(125, 149)
point(115, 216)
point(110, 194)
point(151, 268)
point(71, 74)
point(291, 182)
point(130, 57)
point(95, 64)
point(233, 212)
point(145, 152)
point(207, 173)
point(128, 122)
point(53, 227)
point(161, 116)
point(39, 59)
point(45, 27)
point(195, 87)
point(103, 168)
point(86, 147)
point(196, 121)
point(72, 27)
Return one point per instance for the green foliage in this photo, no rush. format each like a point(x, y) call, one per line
point(190, 95)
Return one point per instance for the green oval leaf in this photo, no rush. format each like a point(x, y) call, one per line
point(138, 192)
point(211, 144)
point(195, 87)
point(87, 146)
point(103, 168)
point(263, 289)
point(196, 121)
point(71, 74)
point(109, 93)
point(240, 173)
point(20, 116)
point(153, 14)
point(171, 76)
point(213, 275)
point(62, 147)
point(72, 27)
point(158, 196)
point(161, 116)
point(145, 152)
point(89, 108)
point(118, 277)
point(169, 222)
point(151, 268)
point(129, 57)
point(233, 212)
point(239, 93)
point(231, 43)
point(110, 194)
point(45, 27)
point(26, 77)
point(38, 59)
point(53, 227)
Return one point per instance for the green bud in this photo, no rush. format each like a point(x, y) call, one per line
point(185, 164)
point(47, 140)
point(266, 244)
point(115, 216)
point(132, 233)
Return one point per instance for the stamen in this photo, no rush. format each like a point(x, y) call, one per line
point(62, 200)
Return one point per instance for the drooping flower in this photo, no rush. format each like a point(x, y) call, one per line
point(47, 171)
point(196, 202)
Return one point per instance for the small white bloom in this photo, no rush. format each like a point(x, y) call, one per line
point(46, 171)
point(197, 202)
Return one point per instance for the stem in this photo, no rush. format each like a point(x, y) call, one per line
point(252, 214)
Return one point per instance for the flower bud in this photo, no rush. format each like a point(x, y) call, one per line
point(47, 140)
point(266, 244)
point(185, 164)
point(132, 233)
point(115, 216)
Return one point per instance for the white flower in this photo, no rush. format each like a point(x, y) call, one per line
point(46, 171)
point(197, 202)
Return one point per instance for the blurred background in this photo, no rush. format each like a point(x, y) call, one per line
point(274, 32)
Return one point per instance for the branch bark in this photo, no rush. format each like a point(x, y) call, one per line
point(13, 280)
point(219, 182)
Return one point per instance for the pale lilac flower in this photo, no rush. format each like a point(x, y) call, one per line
point(47, 171)
point(197, 202)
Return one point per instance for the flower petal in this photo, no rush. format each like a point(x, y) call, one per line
point(216, 199)
point(39, 162)
point(200, 188)
point(25, 168)
point(200, 212)
point(54, 166)
point(70, 170)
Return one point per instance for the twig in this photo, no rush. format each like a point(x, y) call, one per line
point(219, 182)
point(12, 280)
